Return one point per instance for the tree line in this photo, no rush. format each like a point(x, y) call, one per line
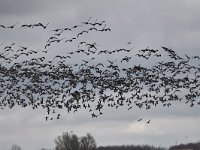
point(130, 147)
point(70, 141)
point(189, 146)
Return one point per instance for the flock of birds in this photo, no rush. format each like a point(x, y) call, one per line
point(93, 84)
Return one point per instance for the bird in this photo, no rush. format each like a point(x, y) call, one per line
point(94, 116)
point(57, 40)
point(26, 26)
point(107, 29)
point(56, 30)
point(93, 45)
point(130, 108)
point(196, 57)
point(126, 58)
point(87, 22)
point(2, 26)
point(98, 23)
point(90, 29)
point(40, 25)
point(69, 40)
point(58, 116)
point(67, 29)
point(51, 38)
point(12, 26)
point(47, 45)
point(148, 121)
point(46, 118)
point(83, 42)
point(102, 51)
point(81, 33)
point(76, 26)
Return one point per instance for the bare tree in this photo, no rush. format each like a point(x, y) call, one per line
point(15, 147)
point(87, 142)
point(68, 141)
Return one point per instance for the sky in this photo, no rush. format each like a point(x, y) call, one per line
point(145, 23)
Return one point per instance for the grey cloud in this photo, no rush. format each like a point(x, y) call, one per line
point(20, 7)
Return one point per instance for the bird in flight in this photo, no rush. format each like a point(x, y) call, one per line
point(87, 22)
point(12, 26)
point(148, 121)
point(2, 26)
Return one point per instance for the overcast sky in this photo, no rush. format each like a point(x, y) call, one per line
point(154, 23)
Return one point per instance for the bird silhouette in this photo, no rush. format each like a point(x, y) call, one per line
point(87, 22)
point(12, 26)
point(2, 26)
point(81, 33)
point(148, 121)
point(26, 26)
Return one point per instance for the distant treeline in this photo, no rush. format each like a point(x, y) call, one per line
point(130, 147)
point(193, 146)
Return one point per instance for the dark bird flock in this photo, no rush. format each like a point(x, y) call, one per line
point(93, 83)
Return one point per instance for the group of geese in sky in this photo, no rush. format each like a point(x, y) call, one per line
point(28, 78)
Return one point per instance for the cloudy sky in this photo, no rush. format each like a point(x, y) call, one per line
point(154, 23)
